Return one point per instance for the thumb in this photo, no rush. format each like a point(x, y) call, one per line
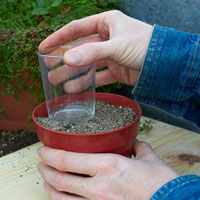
point(142, 149)
point(89, 53)
point(144, 152)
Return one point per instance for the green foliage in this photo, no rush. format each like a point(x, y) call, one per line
point(21, 32)
point(19, 62)
point(16, 14)
point(146, 126)
point(21, 133)
point(1, 115)
point(44, 6)
point(112, 88)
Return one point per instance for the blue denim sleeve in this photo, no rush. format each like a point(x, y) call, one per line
point(170, 78)
point(182, 188)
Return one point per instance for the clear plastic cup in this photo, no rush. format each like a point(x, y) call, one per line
point(69, 91)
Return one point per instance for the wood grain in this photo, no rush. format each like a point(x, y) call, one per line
point(178, 147)
point(19, 179)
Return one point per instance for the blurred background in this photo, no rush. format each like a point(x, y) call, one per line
point(180, 14)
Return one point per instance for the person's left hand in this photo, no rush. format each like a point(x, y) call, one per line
point(81, 176)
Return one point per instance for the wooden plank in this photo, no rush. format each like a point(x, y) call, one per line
point(19, 179)
point(178, 147)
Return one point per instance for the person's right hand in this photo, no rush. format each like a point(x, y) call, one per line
point(113, 39)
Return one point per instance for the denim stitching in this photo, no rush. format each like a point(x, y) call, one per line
point(197, 72)
point(189, 72)
point(153, 57)
point(177, 185)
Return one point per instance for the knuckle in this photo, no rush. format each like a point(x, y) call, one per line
point(75, 25)
point(115, 12)
point(110, 164)
point(145, 145)
point(74, 22)
point(112, 15)
point(61, 162)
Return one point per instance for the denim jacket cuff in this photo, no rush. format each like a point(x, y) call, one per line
point(182, 188)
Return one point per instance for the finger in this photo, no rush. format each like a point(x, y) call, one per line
point(54, 194)
point(83, 27)
point(65, 72)
point(144, 151)
point(59, 50)
point(70, 161)
point(90, 53)
point(88, 39)
point(54, 56)
point(104, 77)
point(64, 182)
point(101, 63)
point(80, 84)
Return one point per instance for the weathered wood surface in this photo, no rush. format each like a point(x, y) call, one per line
point(178, 147)
point(19, 179)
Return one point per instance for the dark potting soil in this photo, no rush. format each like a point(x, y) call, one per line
point(11, 141)
point(107, 117)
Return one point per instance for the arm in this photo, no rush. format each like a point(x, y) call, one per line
point(170, 78)
point(182, 188)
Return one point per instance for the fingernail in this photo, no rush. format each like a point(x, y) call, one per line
point(73, 57)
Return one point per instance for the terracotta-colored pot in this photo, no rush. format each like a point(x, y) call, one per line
point(16, 114)
point(118, 141)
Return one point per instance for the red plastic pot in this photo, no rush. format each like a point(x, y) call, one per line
point(118, 141)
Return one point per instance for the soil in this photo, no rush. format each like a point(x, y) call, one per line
point(11, 141)
point(107, 117)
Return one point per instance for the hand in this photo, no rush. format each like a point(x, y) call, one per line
point(113, 39)
point(77, 176)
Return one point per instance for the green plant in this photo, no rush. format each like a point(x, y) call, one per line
point(21, 133)
point(45, 6)
point(16, 15)
point(146, 126)
point(19, 40)
point(112, 88)
point(1, 115)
